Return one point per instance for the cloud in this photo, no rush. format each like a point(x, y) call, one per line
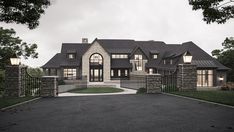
point(172, 22)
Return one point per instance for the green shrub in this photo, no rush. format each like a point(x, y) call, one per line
point(141, 90)
point(2, 81)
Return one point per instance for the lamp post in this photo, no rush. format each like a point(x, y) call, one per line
point(15, 60)
point(187, 57)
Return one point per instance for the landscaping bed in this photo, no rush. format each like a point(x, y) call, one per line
point(96, 90)
point(223, 97)
point(8, 101)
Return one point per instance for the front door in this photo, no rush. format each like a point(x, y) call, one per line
point(96, 75)
point(96, 68)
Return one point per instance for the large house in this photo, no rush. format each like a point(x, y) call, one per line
point(112, 59)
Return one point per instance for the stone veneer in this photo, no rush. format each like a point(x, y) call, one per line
point(186, 77)
point(96, 48)
point(49, 86)
point(153, 83)
point(13, 83)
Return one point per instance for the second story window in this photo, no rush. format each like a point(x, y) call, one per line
point(119, 56)
point(164, 61)
point(155, 56)
point(71, 56)
point(138, 62)
point(171, 61)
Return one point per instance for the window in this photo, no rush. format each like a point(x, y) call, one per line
point(150, 71)
point(96, 59)
point(138, 62)
point(126, 72)
point(171, 61)
point(112, 73)
point(155, 56)
point(71, 56)
point(205, 78)
point(119, 73)
point(119, 56)
point(164, 62)
point(69, 74)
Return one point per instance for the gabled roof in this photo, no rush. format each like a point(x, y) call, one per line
point(127, 46)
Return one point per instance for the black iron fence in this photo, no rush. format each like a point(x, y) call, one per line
point(169, 83)
point(30, 86)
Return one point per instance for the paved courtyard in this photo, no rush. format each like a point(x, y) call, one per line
point(117, 113)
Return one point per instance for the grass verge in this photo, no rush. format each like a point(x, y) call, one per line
point(8, 101)
point(97, 90)
point(223, 97)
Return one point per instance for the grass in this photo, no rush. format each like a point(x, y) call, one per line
point(97, 90)
point(223, 97)
point(8, 101)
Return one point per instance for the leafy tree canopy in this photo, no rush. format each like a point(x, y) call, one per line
point(23, 11)
point(10, 45)
point(214, 10)
point(226, 56)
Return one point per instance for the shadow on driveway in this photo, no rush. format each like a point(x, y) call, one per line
point(117, 113)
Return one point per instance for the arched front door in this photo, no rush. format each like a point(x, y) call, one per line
point(96, 68)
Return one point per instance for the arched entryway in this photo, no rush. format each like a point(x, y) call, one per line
point(96, 68)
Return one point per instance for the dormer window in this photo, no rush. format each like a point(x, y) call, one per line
point(71, 56)
point(154, 56)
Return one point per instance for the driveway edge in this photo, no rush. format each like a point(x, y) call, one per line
point(11, 106)
point(204, 101)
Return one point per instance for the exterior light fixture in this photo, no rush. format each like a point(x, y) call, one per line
point(187, 58)
point(15, 60)
point(221, 78)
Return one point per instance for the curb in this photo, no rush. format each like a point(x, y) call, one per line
point(204, 101)
point(8, 107)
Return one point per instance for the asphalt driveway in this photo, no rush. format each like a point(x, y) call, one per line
point(117, 113)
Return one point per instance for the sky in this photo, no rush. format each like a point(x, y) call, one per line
point(173, 22)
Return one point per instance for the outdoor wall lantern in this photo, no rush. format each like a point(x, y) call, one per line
point(221, 78)
point(15, 60)
point(187, 57)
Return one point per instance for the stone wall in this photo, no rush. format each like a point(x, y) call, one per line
point(96, 48)
point(186, 77)
point(49, 86)
point(153, 83)
point(13, 83)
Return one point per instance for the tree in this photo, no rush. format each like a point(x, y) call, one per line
point(23, 11)
point(226, 56)
point(35, 72)
point(10, 45)
point(214, 10)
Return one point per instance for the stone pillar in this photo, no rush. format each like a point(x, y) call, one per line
point(153, 83)
point(13, 81)
point(186, 77)
point(49, 86)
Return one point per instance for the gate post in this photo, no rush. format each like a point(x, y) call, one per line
point(153, 83)
point(49, 86)
point(13, 81)
point(186, 77)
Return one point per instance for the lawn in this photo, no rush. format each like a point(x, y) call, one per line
point(223, 97)
point(97, 90)
point(8, 101)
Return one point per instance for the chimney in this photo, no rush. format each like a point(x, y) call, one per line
point(84, 40)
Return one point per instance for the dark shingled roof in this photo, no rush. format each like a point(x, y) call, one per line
point(164, 51)
point(120, 63)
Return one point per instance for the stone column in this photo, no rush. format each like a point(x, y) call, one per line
point(13, 86)
point(153, 83)
point(186, 77)
point(49, 86)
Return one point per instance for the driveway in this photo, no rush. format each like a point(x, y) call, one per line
point(118, 113)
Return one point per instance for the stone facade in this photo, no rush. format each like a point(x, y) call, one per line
point(96, 48)
point(13, 82)
point(49, 86)
point(186, 77)
point(153, 83)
